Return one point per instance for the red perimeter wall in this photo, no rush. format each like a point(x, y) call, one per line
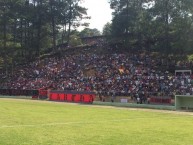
point(72, 96)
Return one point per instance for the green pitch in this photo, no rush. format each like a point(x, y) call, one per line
point(26, 122)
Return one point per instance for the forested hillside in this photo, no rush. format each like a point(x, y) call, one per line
point(29, 28)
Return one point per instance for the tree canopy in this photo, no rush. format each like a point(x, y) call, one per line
point(166, 23)
point(88, 32)
point(29, 27)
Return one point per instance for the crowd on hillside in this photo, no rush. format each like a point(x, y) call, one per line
point(130, 74)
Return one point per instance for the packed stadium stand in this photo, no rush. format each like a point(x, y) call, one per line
point(136, 73)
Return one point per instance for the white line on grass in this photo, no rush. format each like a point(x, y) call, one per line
point(70, 123)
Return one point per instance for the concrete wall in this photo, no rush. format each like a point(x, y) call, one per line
point(184, 102)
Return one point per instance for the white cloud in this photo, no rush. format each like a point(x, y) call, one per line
point(100, 13)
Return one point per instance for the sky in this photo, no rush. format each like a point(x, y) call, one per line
point(100, 13)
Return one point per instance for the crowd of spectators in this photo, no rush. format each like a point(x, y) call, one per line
point(131, 74)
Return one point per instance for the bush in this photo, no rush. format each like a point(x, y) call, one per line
point(190, 57)
point(75, 40)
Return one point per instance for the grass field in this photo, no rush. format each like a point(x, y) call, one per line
point(27, 122)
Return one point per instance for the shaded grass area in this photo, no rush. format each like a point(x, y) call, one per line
point(26, 122)
point(134, 105)
point(16, 97)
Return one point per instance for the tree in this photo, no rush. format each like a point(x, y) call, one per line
point(107, 29)
point(88, 32)
point(165, 24)
point(29, 28)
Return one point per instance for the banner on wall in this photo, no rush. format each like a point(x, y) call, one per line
point(72, 96)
